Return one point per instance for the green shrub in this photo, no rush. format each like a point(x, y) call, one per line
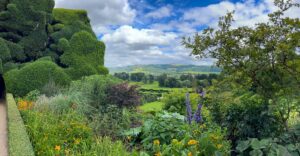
point(16, 51)
point(1, 67)
point(69, 30)
point(175, 101)
point(250, 118)
point(85, 55)
point(4, 51)
point(266, 147)
point(67, 16)
point(95, 89)
point(34, 76)
point(29, 19)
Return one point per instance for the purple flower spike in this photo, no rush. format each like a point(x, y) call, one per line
point(197, 115)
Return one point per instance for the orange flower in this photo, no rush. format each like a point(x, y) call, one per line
point(57, 148)
point(192, 142)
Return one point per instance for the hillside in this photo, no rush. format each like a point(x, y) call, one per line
point(166, 68)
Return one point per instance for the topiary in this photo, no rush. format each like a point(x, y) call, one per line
point(84, 56)
point(34, 76)
point(4, 51)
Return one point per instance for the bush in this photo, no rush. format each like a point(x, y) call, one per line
point(34, 76)
point(85, 55)
point(175, 101)
point(4, 51)
point(250, 118)
point(95, 89)
point(124, 95)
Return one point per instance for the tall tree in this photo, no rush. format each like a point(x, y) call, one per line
point(265, 58)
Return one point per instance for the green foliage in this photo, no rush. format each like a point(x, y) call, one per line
point(266, 147)
point(4, 51)
point(175, 101)
point(250, 118)
point(1, 67)
point(57, 134)
point(34, 76)
point(25, 23)
point(69, 30)
point(19, 142)
point(263, 59)
point(163, 127)
point(85, 55)
point(16, 51)
point(94, 88)
point(67, 16)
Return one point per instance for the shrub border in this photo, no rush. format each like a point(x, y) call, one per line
point(19, 142)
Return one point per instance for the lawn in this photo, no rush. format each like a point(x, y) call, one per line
point(152, 107)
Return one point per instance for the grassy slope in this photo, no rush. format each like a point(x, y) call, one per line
point(19, 143)
point(170, 69)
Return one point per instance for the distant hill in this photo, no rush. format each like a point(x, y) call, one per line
point(157, 69)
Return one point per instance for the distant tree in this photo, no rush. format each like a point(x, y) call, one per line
point(162, 80)
point(212, 76)
point(172, 82)
point(123, 75)
point(189, 77)
point(201, 76)
point(137, 77)
point(151, 78)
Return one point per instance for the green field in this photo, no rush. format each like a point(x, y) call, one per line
point(170, 69)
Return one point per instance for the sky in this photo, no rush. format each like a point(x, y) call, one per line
point(150, 31)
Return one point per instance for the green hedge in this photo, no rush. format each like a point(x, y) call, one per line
point(34, 76)
point(67, 16)
point(85, 56)
point(19, 143)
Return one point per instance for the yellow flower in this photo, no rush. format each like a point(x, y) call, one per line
point(192, 142)
point(219, 146)
point(214, 137)
point(129, 138)
point(175, 141)
point(190, 154)
point(157, 154)
point(57, 148)
point(156, 142)
point(203, 126)
point(77, 141)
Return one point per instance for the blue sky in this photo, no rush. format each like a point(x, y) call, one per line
point(150, 31)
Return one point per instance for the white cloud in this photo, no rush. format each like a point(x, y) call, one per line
point(128, 46)
point(247, 13)
point(102, 13)
point(162, 12)
point(137, 39)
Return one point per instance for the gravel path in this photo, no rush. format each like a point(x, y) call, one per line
point(3, 130)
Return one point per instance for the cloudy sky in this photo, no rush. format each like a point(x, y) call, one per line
point(150, 31)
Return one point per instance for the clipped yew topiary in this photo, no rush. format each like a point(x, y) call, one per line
point(4, 51)
point(34, 76)
point(85, 55)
